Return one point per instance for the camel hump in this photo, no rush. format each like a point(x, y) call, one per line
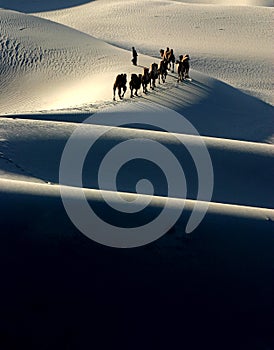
point(118, 78)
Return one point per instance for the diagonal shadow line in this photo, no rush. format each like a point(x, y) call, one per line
point(29, 6)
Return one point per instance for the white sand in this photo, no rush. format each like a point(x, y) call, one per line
point(67, 60)
point(232, 43)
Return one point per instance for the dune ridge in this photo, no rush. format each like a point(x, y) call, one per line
point(239, 167)
point(38, 190)
point(55, 62)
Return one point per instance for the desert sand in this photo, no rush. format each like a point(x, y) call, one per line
point(58, 63)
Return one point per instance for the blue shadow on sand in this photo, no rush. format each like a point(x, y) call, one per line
point(29, 6)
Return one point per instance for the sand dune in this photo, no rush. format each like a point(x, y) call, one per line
point(58, 62)
point(52, 66)
point(39, 73)
point(47, 66)
point(55, 66)
point(10, 189)
point(239, 167)
point(229, 43)
point(51, 5)
point(36, 76)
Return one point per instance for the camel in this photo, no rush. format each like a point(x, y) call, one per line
point(120, 83)
point(145, 80)
point(153, 75)
point(170, 58)
point(185, 61)
point(162, 71)
point(166, 52)
point(183, 67)
point(135, 83)
point(180, 71)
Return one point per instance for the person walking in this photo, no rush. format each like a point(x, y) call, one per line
point(135, 55)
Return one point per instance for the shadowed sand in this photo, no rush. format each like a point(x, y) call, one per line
point(28, 6)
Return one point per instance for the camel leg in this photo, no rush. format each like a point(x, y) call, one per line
point(179, 76)
point(114, 90)
point(120, 93)
point(124, 91)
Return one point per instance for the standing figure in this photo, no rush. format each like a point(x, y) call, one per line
point(134, 55)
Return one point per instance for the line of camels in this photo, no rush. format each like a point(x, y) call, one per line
point(150, 75)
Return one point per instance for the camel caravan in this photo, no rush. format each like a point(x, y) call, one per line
point(151, 75)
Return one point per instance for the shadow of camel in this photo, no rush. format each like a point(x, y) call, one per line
point(29, 6)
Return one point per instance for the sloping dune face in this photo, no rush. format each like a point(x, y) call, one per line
point(40, 60)
point(231, 43)
point(46, 65)
point(28, 6)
